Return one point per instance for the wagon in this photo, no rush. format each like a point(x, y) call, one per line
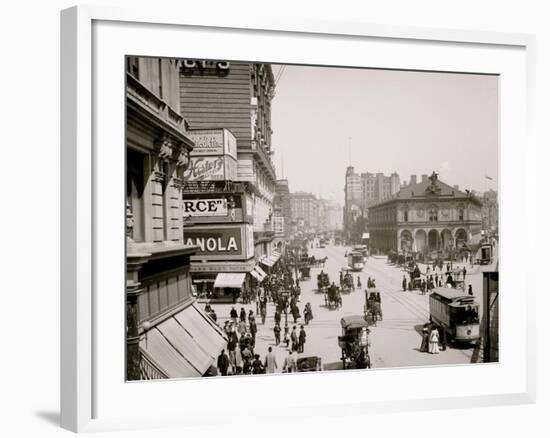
point(310, 363)
point(373, 306)
point(305, 273)
point(354, 341)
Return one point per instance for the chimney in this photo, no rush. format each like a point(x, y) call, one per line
point(424, 178)
point(413, 179)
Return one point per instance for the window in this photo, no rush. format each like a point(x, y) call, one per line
point(460, 214)
point(406, 216)
point(433, 214)
point(132, 66)
point(134, 193)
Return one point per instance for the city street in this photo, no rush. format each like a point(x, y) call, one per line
point(395, 341)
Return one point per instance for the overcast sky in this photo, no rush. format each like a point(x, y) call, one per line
point(398, 121)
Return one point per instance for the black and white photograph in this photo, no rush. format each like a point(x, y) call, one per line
point(300, 218)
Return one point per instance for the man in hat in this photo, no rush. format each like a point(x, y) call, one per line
point(301, 339)
point(223, 363)
point(270, 361)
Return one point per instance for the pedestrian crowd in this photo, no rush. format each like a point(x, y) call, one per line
point(240, 355)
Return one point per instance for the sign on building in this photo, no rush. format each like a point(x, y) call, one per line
point(221, 242)
point(213, 142)
point(216, 168)
point(205, 207)
point(216, 241)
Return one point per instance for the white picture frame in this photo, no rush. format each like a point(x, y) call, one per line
point(93, 396)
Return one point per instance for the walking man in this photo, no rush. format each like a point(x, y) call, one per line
point(270, 361)
point(223, 363)
point(290, 363)
point(442, 338)
point(470, 290)
point(277, 332)
point(404, 283)
point(253, 330)
point(294, 339)
point(301, 339)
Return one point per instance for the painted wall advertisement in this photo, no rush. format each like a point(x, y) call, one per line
point(216, 168)
point(219, 242)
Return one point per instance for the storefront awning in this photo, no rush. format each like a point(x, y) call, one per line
point(184, 345)
point(234, 280)
point(258, 273)
point(267, 261)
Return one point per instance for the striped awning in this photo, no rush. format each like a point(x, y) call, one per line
point(184, 345)
point(230, 279)
point(268, 261)
point(271, 260)
point(258, 273)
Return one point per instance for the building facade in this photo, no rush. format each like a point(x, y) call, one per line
point(282, 210)
point(362, 191)
point(234, 98)
point(304, 208)
point(160, 308)
point(330, 215)
point(424, 217)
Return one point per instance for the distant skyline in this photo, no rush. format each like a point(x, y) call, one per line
point(385, 121)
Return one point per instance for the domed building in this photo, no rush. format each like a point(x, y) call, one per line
point(424, 217)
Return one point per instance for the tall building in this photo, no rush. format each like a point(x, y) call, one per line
point(160, 308)
point(362, 191)
point(228, 110)
point(305, 211)
point(426, 216)
point(281, 209)
point(329, 215)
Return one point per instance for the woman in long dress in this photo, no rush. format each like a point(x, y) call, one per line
point(434, 341)
point(425, 336)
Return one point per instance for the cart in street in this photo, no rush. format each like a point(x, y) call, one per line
point(354, 342)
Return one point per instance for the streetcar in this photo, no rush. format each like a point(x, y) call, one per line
point(485, 254)
point(356, 261)
point(456, 312)
point(363, 249)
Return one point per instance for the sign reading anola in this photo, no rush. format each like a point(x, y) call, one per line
point(216, 241)
point(205, 207)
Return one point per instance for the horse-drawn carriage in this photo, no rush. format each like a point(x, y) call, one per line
point(317, 263)
point(354, 342)
point(346, 280)
point(333, 297)
point(322, 281)
point(373, 306)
